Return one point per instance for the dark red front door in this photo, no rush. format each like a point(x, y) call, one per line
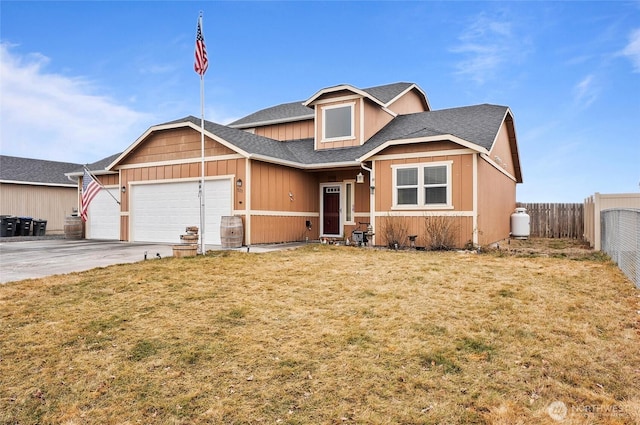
point(331, 210)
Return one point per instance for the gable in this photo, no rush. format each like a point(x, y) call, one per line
point(171, 145)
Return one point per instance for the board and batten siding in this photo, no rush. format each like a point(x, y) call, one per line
point(282, 200)
point(287, 131)
point(414, 218)
point(496, 203)
point(175, 154)
point(49, 203)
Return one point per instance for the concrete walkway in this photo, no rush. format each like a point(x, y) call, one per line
point(35, 258)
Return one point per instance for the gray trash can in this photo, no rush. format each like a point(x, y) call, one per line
point(39, 227)
point(7, 226)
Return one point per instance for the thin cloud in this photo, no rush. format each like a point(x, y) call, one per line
point(586, 91)
point(486, 46)
point(632, 49)
point(57, 117)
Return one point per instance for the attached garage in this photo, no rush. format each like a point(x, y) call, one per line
point(160, 211)
point(104, 215)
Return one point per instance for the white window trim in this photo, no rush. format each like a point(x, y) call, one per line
point(352, 136)
point(421, 186)
point(348, 207)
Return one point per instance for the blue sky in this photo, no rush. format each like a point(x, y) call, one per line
point(82, 80)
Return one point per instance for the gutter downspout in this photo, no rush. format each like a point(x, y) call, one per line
point(372, 198)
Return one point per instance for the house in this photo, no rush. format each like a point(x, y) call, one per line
point(38, 189)
point(319, 167)
point(103, 220)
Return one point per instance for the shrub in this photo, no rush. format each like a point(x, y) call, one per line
point(440, 232)
point(394, 231)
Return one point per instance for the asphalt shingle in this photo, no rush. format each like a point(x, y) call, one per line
point(16, 169)
point(478, 124)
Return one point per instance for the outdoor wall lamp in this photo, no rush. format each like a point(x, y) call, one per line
point(360, 178)
point(124, 189)
point(373, 189)
point(239, 183)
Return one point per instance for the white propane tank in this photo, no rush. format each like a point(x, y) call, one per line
point(520, 224)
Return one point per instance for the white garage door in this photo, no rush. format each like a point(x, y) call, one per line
point(161, 212)
point(103, 221)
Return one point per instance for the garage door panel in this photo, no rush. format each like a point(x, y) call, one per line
point(103, 221)
point(161, 212)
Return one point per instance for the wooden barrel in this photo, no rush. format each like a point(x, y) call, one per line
point(189, 238)
point(185, 250)
point(73, 227)
point(231, 232)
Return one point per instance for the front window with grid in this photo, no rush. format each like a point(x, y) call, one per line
point(422, 185)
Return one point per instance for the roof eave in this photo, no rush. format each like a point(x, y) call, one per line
point(272, 122)
point(36, 183)
point(340, 88)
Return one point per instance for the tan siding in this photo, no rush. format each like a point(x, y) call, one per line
point(374, 119)
point(271, 185)
point(416, 226)
point(420, 147)
point(170, 145)
point(501, 151)
point(410, 103)
point(287, 131)
point(277, 229)
point(461, 175)
point(41, 202)
point(496, 202)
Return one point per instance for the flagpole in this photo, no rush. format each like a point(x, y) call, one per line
point(202, 191)
point(200, 66)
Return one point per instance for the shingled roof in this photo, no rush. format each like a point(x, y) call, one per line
point(297, 111)
point(478, 125)
point(286, 112)
point(35, 171)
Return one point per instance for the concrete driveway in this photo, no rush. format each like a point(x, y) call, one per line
point(40, 258)
point(29, 259)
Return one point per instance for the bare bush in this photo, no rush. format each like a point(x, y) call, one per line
point(394, 231)
point(440, 232)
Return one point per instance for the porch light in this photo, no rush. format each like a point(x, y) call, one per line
point(124, 189)
point(360, 178)
point(239, 183)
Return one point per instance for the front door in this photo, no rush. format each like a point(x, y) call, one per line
point(331, 210)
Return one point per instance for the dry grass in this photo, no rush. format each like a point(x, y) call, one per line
point(323, 335)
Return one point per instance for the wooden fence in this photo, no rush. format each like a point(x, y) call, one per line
point(555, 220)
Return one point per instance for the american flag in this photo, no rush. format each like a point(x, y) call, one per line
point(90, 189)
point(202, 63)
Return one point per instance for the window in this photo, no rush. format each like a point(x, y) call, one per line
point(422, 185)
point(337, 122)
point(349, 202)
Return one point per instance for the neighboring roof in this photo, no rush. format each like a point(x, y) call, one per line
point(35, 171)
point(472, 126)
point(295, 111)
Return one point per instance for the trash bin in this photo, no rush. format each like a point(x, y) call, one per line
point(39, 227)
point(7, 226)
point(23, 226)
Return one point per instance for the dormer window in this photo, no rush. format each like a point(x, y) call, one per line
point(338, 122)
